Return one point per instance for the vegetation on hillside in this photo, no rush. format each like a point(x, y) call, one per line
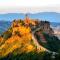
point(33, 55)
point(52, 42)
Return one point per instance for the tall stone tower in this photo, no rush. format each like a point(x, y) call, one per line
point(27, 20)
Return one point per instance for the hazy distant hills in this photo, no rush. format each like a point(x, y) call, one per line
point(55, 24)
point(49, 16)
point(56, 28)
point(4, 25)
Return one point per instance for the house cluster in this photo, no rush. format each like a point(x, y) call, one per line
point(35, 23)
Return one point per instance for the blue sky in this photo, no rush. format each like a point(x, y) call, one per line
point(49, 16)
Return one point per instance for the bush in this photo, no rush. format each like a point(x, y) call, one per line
point(6, 35)
point(21, 22)
point(28, 56)
point(18, 33)
point(10, 29)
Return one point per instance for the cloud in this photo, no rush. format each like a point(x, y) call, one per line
point(29, 9)
point(29, 6)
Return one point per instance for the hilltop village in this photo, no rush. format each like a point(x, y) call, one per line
point(34, 24)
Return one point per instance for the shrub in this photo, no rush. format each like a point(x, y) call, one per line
point(10, 29)
point(6, 35)
point(18, 33)
point(27, 56)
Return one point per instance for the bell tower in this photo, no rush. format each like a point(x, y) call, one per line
point(27, 20)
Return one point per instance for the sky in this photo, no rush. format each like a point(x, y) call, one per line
point(31, 6)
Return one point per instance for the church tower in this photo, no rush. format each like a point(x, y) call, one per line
point(27, 20)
